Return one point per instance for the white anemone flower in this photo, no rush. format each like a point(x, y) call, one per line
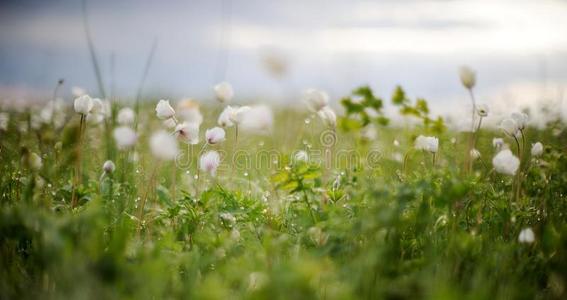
point(498, 143)
point(187, 133)
point(475, 154)
point(427, 143)
point(164, 110)
point(108, 167)
point(510, 127)
point(83, 104)
point(188, 111)
point(482, 110)
point(505, 162)
point(537, 149)
point(468, 77)
point(224, 92)
point(163, 146)
point(521, 120)
point(98, 106)
point(209, 162)
point(526, 236)
point(237, 115)
point(125, 137)
point(315, 99)
point(258, 119)
point(170, 123)
point(224, 117)
point(328, 116)
point(125, 116)
point(214, 135)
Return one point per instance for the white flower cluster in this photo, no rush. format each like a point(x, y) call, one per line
point(318, 101)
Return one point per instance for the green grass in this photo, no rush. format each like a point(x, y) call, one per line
point(378, 232)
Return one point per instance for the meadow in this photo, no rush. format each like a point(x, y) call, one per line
point(161, 199)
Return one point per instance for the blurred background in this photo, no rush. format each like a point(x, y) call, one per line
point(272, 50)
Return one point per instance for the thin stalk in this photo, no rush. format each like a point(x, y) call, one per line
point(143, 79)
point(92, 51)
point(306, 200)
point(77, 180)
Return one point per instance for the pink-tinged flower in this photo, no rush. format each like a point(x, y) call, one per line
point(214, 135)
point(125, 137)
point(224, 118)
point(258, 119)
point(209, 162)
point(187, 133)
point(164, 110)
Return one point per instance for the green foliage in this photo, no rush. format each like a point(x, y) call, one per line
point(362, 108)
point(418, 110)
point(361, 231)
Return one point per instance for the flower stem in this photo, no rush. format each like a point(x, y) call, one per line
point(77, 180)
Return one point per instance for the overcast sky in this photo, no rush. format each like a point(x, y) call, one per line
point(519, 48)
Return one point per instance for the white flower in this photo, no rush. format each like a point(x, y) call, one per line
point(315, 99)
point(396, 143)
point(224, 118)
point(505, 162)
point(163, 146)
point(526, 236)
point(164, 110)
point(169, 123)
point(98, 106)
point(328, 116)
point(83, 104)
point(475, 154)
point(35, 161)
point(4, 120)
point(510, 127)
point(468, 77)
point(227, 217)
point(125, 137)
point(258, 119)
point(77, 91)
point(188, 111)
point(482, 110)
point(427, 143)
point(497, 143)
point(521, 120)
point(224, 92)
point(397, 156)
point(537, 149)
point(108, 166)
point(187, 133)
point(214, 135)
point(125, 116)
point(237, 115)
point(209, 162)
point(300, 156)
